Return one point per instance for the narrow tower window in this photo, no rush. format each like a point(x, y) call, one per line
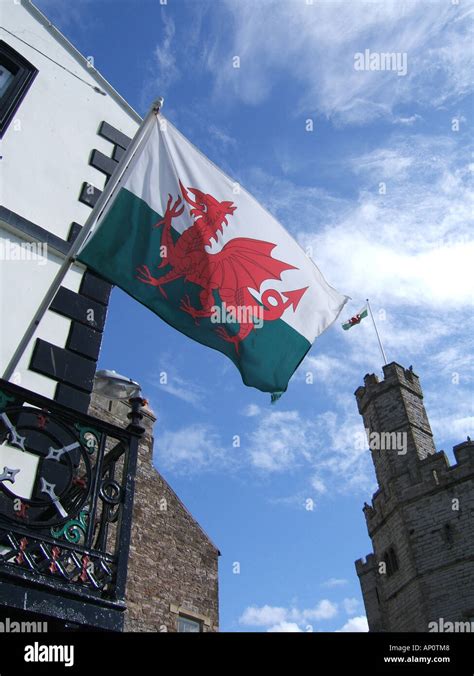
point(448, 533)
point(391, 561)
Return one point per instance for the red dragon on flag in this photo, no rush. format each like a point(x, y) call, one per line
point(242, 264)
point(226, 257)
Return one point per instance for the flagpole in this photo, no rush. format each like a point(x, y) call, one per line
point(376, 331)
point(81, 238)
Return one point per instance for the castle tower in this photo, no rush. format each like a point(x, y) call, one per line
point(421, 518)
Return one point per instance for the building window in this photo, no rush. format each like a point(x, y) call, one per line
point(16, 76)
point(391, 561)
point(186, 624)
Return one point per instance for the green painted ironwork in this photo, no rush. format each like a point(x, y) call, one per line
point(4, 399)
point(73, 529)
point(86, 434)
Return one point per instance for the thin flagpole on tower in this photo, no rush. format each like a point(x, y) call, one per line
point(81, 238)
point(377, 333)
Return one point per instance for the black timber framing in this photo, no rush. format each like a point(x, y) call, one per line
point(103, 163)
point(63, 365)
point(74, 365)
point(113, 135)
point(79, 308)
point(89, 194)
point(70, 396)
point(84, 341)
point(33, 231)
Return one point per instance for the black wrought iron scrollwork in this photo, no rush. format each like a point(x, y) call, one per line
point(60, 502)
point(49, 459)
point(110, 492)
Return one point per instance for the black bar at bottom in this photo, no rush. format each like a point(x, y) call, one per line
point(251, 653)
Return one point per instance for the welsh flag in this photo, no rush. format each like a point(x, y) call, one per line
point(189, 243)
point(356, 319)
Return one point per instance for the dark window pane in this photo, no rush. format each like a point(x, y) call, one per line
point(6, 76)
point(16, 76)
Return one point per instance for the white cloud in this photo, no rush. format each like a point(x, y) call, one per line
point(350, 605)
point(223, 139)
point(335, 582)
point(412, 245)
point(285, 627)
point(324, 610)
point(323, 444)
point(277, 618)
point(184, 389)
point(165, 60)
point(279, 441)
point(348, 466)
point(251, 410)
point(321, 40)
point(448, 391)
point(408, 121)
point(451, 361)
point(283, 441)
point(356, 624)
point(323, 367)
point(191, 449)
point(279, 196)
point(318, 485)
point(453, 426)
point(168, 380)
point(263, 616)
point(383, 163)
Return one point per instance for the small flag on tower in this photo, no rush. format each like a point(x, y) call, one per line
point(356, 319)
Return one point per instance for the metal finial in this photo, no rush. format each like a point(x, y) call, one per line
point(158, 104)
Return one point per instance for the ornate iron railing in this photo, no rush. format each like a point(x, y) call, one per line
point(66, 498)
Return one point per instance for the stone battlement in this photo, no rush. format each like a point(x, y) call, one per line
point(436, 473)
point(367, 565)
point(394, 376)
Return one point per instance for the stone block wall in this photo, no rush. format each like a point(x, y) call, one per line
point(173, 565)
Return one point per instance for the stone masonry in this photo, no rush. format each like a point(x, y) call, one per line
point(173, 565)
point(421, 520)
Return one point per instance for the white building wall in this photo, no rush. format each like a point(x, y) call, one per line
point(46, 151)
point(46, 160)
point(23, 284)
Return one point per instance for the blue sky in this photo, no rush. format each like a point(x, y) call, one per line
point(406, 244)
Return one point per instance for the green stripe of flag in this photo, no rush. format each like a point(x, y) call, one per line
point(127, 239)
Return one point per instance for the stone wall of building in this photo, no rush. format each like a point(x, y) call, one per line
point(173, 565)
point(423, 512)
